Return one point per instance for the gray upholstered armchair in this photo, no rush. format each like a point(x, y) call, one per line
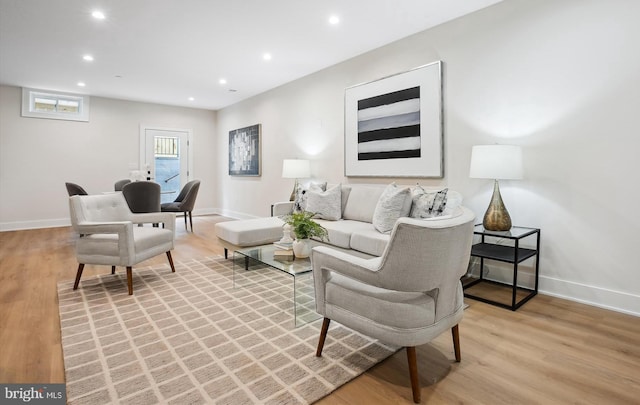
point(406, 297)
point(109, 236)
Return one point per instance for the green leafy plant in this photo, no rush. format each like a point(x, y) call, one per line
point(304, 226)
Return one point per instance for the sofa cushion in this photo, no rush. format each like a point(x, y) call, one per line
point(326, 204)
point(393, 203)
point(340, 231)
point(394, 308)
point(369, 240)
point(361, 203)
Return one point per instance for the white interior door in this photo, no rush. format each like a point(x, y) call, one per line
point(165, 158)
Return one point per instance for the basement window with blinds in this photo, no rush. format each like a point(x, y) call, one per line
point(53, 105)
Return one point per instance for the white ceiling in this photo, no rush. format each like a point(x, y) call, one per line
point(165, 51)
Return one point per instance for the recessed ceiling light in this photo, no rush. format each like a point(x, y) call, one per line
point(88, 58)
point(266, 56)
point(334, 19)
point(98, 15)
point(191, 98)
point(222, 81)
point(82, 84)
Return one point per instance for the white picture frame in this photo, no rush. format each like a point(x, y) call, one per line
point(394, 125)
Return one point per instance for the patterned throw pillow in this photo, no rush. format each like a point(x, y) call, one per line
point(300, 202)
point(428, 204)
point(326, 204)
point(390, 207)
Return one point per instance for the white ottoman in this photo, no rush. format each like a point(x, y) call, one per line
point(233, 235)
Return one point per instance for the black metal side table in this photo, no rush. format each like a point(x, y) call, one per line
point(508, 254)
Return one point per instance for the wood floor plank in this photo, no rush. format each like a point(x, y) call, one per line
point(550, 351)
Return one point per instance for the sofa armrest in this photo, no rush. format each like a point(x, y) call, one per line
point(281, 208)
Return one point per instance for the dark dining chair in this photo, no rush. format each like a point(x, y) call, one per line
point(184, 202)
point(142, 196)
point(120, 183)
point(74, 189)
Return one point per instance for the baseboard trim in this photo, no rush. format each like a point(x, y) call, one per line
point(26, 225)
point(591, 295)
point(586, 294)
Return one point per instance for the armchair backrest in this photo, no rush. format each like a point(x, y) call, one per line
point(98, 208)
point(429, 256)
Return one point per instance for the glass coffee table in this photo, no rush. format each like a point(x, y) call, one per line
point(255, 267)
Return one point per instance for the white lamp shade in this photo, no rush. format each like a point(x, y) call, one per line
point(296, 169)
point(500, 162)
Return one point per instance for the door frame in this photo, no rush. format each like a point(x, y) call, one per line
point(143, 144)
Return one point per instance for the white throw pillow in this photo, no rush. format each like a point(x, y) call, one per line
point(427, 204)
point(300, 202)
point(391, 206)
point(326, 204)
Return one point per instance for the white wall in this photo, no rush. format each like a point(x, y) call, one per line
point(560, 78)
point(37, 156)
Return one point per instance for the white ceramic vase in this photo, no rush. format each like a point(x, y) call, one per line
point(301, 248)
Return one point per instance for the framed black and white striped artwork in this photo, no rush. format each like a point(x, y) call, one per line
point(393, 126)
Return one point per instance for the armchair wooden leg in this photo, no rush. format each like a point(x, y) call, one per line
point(173, 269)
point(130, 279)
point(323, 335)
point(456, 342)
point(413, 373)
point(191, 221)
point(226, 253)
point(185, 221)
point(78, 275)
point(113, 269)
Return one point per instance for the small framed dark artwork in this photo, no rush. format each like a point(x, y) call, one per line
point(244, 151)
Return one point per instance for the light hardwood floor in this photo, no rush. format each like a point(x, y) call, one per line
point(551, 351)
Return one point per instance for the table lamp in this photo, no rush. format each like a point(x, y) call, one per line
point(295, 169)
point(497, 162)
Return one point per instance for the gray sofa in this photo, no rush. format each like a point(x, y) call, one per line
point(356, 230)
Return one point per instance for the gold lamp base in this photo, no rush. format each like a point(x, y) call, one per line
point(293, 193)
point(496, 218)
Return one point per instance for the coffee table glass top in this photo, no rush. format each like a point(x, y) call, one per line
point(264, 254)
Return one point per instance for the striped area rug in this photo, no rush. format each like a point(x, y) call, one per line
point(190, 337)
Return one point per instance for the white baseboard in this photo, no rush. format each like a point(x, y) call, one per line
point(591, 295)
point(24, 225)
point(586, 294)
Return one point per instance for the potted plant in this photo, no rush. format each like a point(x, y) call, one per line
point(304, 227)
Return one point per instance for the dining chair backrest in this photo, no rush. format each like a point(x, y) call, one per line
point(142, 196)
point(74, 189)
